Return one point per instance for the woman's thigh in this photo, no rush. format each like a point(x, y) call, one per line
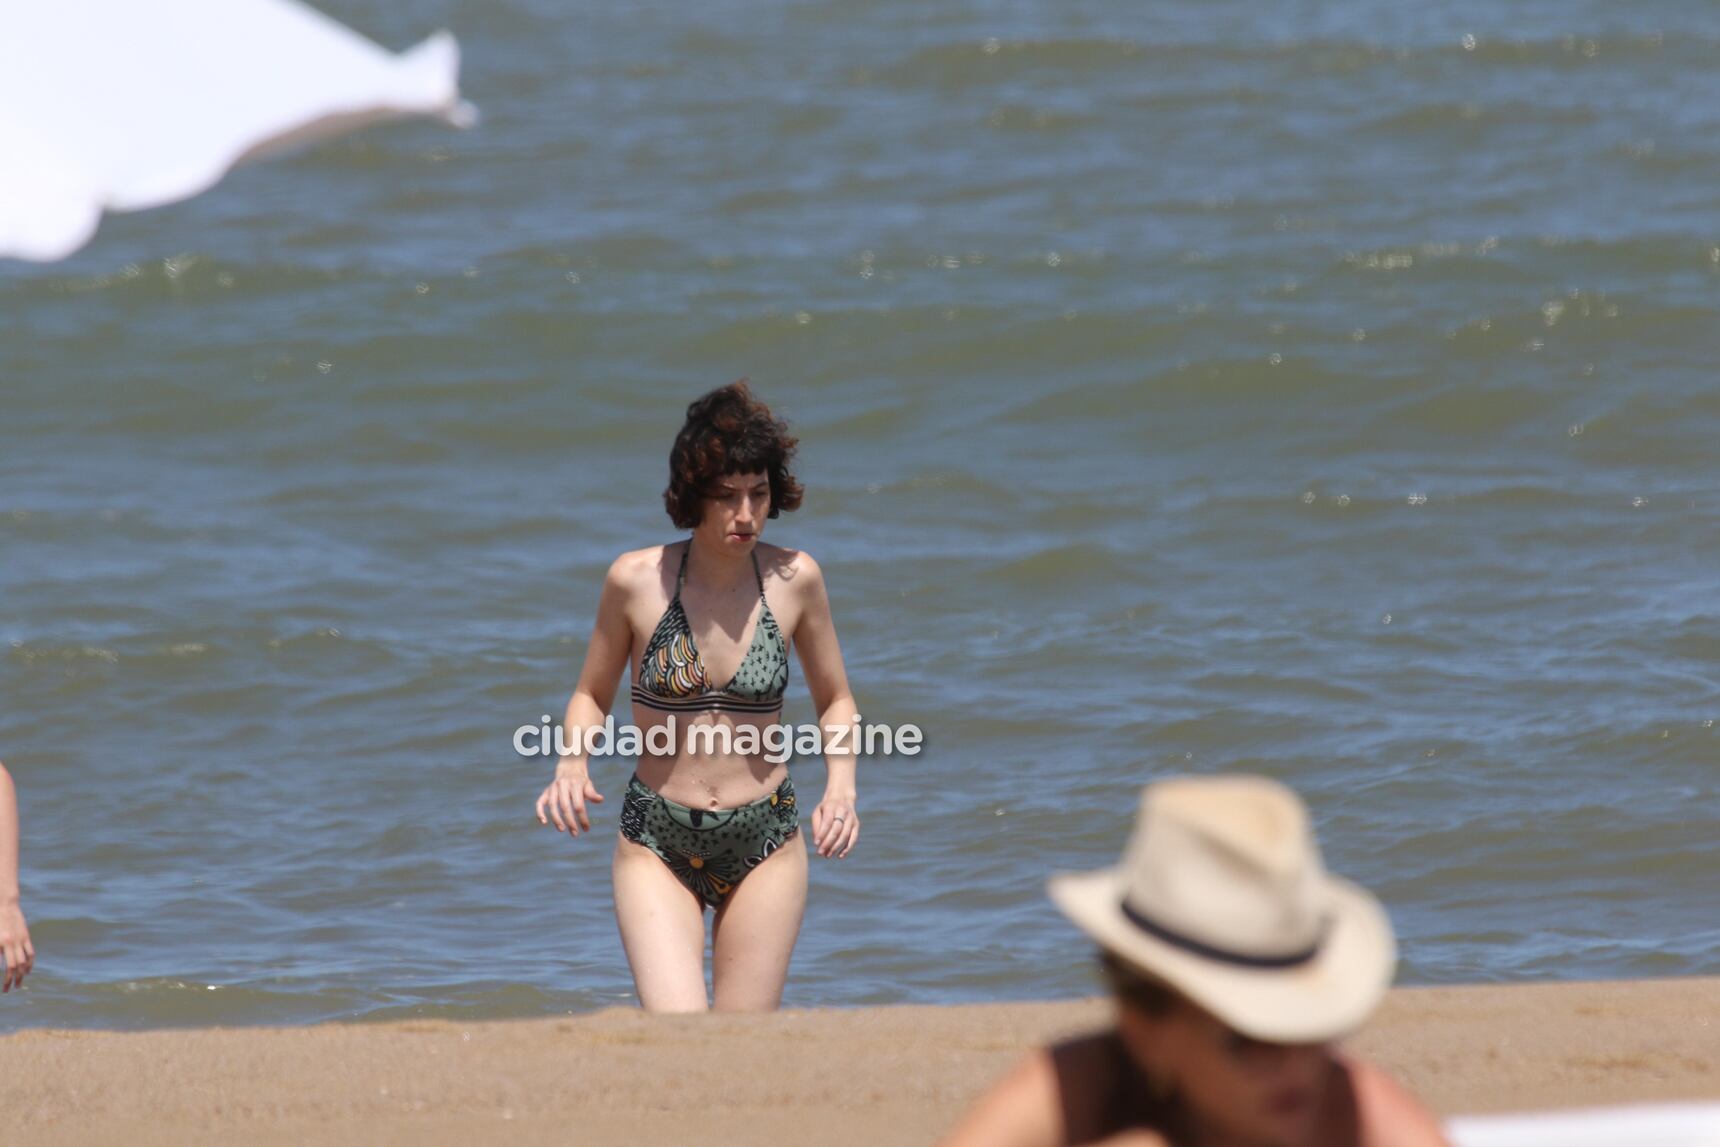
point(662, 927)
point(754, 933)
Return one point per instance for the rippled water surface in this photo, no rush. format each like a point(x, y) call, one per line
point(1324, 390)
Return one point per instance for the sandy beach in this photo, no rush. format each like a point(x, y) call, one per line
point(862, 1076)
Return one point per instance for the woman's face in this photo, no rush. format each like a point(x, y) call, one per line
point(1242, 1088)
point(735, 510)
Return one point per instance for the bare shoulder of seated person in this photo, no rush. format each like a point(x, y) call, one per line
point(1388, 1114)
point(1056, 1096)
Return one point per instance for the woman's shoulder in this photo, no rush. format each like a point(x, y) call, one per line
point(1019, 1110)
point(1100, 1094)
point(635, 569)
point(1060, 1095)
point(785, 561)
point(1387, 1113)
point(794, 568)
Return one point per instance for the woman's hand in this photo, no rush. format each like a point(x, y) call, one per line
point(15, 946)
point(564, 800)
point(835, 825)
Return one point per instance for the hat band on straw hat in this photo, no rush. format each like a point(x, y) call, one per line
point(1224, 955)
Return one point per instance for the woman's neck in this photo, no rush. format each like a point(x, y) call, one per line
point(714, 569)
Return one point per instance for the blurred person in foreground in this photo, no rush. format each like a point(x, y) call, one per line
point(1235, 961)
point(16, 950)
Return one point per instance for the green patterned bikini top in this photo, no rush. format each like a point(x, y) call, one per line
point(672, 674)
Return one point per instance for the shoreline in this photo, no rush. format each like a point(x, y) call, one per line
point(889, 1074)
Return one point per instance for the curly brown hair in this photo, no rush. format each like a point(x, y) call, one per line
point(728, 431)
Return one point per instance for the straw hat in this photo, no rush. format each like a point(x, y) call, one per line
point(1222, 895)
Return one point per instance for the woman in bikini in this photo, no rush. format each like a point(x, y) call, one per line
point(703, 628)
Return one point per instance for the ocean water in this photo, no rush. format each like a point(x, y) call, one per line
point(1318, 390)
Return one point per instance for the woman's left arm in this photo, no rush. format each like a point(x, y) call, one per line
point(835, 823)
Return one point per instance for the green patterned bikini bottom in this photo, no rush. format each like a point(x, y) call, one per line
point(709, 850)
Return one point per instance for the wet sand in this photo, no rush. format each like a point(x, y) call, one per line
point(864, 1076)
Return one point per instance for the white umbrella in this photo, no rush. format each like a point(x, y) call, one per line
point(125, 104)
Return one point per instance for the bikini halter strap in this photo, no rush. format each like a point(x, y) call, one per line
point(681, 574)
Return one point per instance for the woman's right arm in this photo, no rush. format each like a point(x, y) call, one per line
point(606, 657)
